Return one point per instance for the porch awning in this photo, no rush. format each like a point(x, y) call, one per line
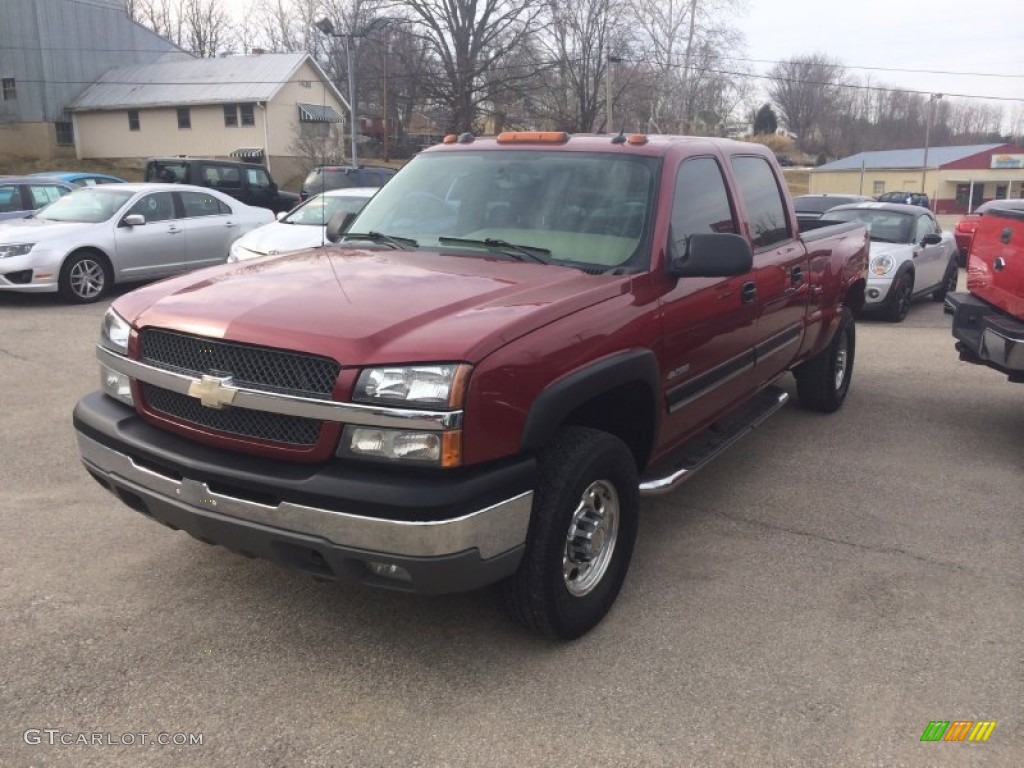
point(318, 113)
point(248, 153)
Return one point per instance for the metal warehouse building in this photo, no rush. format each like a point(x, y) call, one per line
point(956, 179)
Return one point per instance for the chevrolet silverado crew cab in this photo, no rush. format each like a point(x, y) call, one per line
point(515, 339)
point(988, 321)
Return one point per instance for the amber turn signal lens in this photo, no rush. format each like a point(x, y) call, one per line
point(451, 448)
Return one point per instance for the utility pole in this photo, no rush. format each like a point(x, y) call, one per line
point(927, 136)
point(609, 90)
point(387, 55)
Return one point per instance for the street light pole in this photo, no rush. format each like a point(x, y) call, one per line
point(927, 136)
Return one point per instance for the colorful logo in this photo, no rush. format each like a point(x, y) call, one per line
point(958, 730)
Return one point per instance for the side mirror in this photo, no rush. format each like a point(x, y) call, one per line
point(932, 238)
point(338, 224)
point(282, 214)
point(134, 220)
point(711, 255)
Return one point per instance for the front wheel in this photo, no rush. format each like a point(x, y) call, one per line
point(84, 277)
point(902, 293)
point(581, 536)
point(823, 381)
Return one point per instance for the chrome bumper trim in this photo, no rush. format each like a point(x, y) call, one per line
point(491, 531)
point(1004, 351)
point(288, 405)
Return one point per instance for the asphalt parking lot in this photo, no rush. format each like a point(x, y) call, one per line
point(815, 598)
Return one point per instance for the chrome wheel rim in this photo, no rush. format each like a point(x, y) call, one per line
point(841, 360)
point(590, 542)
point(87, 279)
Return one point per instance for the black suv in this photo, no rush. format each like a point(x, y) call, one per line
point(907, 198)
point(325, 177)
point(249, 182)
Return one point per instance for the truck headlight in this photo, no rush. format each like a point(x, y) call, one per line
point(882, 265)
point(114, 332)
point(439, 386)
point(19, 249)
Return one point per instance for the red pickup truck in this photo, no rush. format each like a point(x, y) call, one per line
point(514, 340)
point(988, 320)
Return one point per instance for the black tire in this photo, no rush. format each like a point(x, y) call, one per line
point(902, 294)
point(557, 590)
point(85, 277)
point(823, 381)
point(948, 282)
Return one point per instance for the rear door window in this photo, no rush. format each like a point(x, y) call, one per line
point(225, 177)
point(766, 215)
point(197, 204)
point(10, 199)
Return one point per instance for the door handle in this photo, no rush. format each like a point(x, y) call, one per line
point(748, 293)
point(796, 275)
point(174, 230)
point(231, 225)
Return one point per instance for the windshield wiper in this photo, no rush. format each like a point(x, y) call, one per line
point(524, 252)
point(401, 243)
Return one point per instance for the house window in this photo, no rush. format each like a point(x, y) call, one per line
point(314, 130)
point(9, 88)
point(230, 116)
point(963, 192)
point(65, 132)
point(184, 118)
point(133, 119)
point(1001, 192)
point(248, 115)
point(878, 187)
point(305, 83)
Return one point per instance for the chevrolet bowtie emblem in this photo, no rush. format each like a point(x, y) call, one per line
point(213, 391)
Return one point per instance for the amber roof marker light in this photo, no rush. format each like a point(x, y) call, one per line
point(533, 137)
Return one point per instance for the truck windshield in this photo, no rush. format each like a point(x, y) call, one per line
point(586, 210)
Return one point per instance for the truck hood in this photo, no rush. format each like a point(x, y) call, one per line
point(370, 307)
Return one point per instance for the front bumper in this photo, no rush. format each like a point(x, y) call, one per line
point(878, 294)
point(448, 531)
point(987, 336)
point(34, 272)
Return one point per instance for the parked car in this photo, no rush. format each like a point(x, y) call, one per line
point(21, 195)
point(907, 198)
point(965, 228)
point(910, 256)
point(302, 227)
point(810, 207)
point(325, 177)
point(249, 182)
point(988, 320)
point(80, 179)
point(83, 243)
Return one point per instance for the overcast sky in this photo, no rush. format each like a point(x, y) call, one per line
point(945, 35)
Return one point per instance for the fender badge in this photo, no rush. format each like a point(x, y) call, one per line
point(213, 391)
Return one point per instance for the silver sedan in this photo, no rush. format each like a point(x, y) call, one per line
point(94, 237)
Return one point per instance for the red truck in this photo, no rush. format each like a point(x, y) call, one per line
point(988, 320)
point(515, 339)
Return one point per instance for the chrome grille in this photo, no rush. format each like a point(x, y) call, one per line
point(260, 425)
point(272, 370)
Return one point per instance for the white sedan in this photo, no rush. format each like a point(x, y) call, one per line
point(302, 227)
point(910, 255)
point(81, 244)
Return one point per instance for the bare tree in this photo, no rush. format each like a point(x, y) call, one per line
point(206, 27)
point(806, 89)
point(578, 39)
point(469, 39)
